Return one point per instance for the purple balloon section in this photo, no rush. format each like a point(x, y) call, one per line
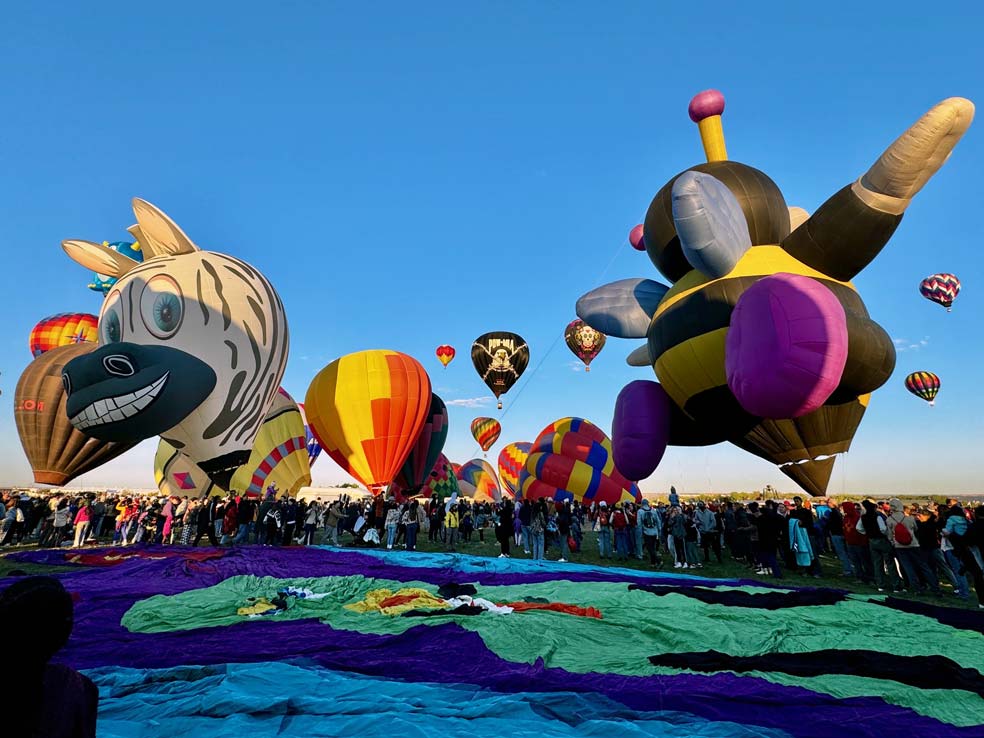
point(786, 348)
point(640, 428)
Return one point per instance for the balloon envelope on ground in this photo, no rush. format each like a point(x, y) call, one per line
point(511, 461)
point(477, 480)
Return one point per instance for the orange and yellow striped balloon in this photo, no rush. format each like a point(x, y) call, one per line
point(62, 330)
point(367, 409)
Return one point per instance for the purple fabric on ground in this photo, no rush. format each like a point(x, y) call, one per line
point(443, 654)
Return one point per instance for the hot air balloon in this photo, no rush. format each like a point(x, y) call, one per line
point(572, 459)
point(445, 354)
point(313, 447)
point(427, 448)
point(63, 329)
point(500, 358)
point(280, 455)
point(584, 341)
point(751, 342)
point(511, 461)
point(924, 385)
point(57, 451)
point(102, 282)
point(942, 288)
point(486, 431)
point(367, 410)
point(193, 345)
point(176, 474)
point(636, 239)
point(477, 480)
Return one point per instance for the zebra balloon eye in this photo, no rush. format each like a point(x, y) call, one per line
point(110, 327)
point(162, 306)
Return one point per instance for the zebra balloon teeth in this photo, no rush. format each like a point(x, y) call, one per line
point(193, 346)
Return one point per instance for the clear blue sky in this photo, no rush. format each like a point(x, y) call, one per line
point(416, 174)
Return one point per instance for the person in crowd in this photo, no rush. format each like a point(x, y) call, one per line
point(873, 525)
point(900, 530)
point(538, 527)
point(632, 531)
point(467, 525)
point(710, 536)
point(676, 537)
point(505, 529)
point(413, 518)
point(83, 519)
point(959, 540)
point(451, 520)
point(769, 526)
point(564, 529)
point(603, 521)
point(392, 521)
point(525, 520)
point(620, 528)
point(649, 523)
point(312, 521)
point(804, 514)
point(856, 543)
point(834, 525)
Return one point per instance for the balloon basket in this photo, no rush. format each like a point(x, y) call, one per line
point(500, 405)
point(587, 368)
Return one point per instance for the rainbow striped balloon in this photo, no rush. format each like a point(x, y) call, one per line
point(511, 461)
point(924, 385)
point(477, 480)
point(486, 431)
point(62, 330)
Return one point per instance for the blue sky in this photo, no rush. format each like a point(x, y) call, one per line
point(411, 175)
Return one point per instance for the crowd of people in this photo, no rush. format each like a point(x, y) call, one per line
point(886, 545)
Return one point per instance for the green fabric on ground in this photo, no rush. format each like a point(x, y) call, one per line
point(634, 626)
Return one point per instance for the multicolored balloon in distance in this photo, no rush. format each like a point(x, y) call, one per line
point(445, 354)
point(428, 446)
point(924, 385)
point(280, 455)
point(500, 358)
point(511, 461)
point(313, 447)
point(584, 341)
point(367, 410)
point(63, 329)
point(486, 431)
point(102, 282)
point(572, 459)
point(441, 482)
point(477, 480)
point(942, 288)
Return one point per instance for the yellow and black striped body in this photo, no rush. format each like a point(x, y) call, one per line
point(687, 343)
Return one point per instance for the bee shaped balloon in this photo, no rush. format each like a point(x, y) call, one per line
point(762, 340)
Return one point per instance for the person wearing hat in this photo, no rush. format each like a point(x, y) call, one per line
point(649, 524)
point(604, 531)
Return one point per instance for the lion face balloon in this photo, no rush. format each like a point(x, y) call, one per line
point(762, 340)
point(193, 348)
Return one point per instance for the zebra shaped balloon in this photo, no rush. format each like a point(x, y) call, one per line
point(193, 348)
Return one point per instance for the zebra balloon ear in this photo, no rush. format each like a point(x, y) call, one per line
point(161, 236)
point(100, 259)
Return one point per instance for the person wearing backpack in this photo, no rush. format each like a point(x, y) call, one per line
point(649, 524)
point(620, 526)
point(900, 530)
point(604, 531)
point(873, 525)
